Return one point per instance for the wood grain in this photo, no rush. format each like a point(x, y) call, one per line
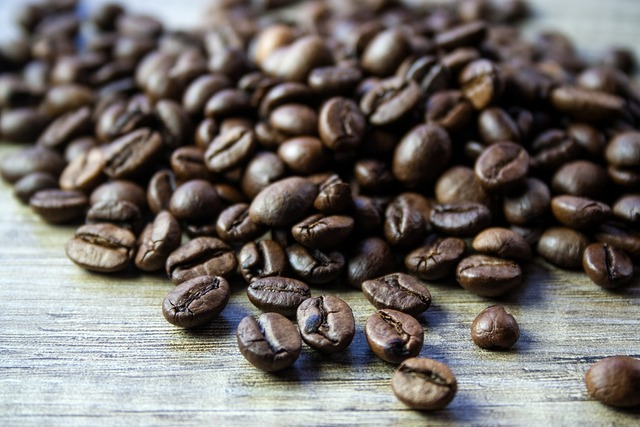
point(83, 349)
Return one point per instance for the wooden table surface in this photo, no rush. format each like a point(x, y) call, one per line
point(78, 348)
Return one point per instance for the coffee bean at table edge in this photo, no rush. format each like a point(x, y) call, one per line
point(326, 323)
point(196, 302)
point(397, 291)
point(615, 381)
point(393, 335)
point(278, 294)
point(607, 266)
point(488, 276)
point(494, 328)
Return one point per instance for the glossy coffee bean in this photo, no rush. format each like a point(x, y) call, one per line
point(202, 256)
point(619, 235)
point(528, 204)
point(580, 178)
point(66, 127)
point(495, 125)
point(421, 155)
point(271, 343)
point(85, 172)
point(627, 208)
point(341, 124)
point(424, 384)
point(104, 248)
point(323, 232)
point(157, 241)
point(482, 83)
point(488, 276)
point(449, 109)
point(385, 52)
point(607, 266)
point(303, 155)
point(503, 243)
point(22, 125)
point(334, 196)
point(326, 323)
point(462, 219)
point(436, 259)
point(615, 381)
point(405, 221)
point(278, 294)
point(132, 154)
point(283, 202)
point(313, 265)
point(502, 166)
point(118, 212)
point(263, 169)
point(579, 212)
point(294, 120)
point(262, 259)
point(460, 184)
point(390, 100)
point(195, 201)
point(58, 206)
point(397, 291)
point(119, 190)
point(588, 105)
point(371, 258)
point(551, 149)
point(160, 189)
point(394, 336)
point(235, 226)
point(494, 328)
point(468, 34)
point(196, 302)
point(230, 149)
point(334, 80)
point(562, 247)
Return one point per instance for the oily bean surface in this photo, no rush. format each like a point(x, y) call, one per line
point(397, 291)
point(394, 336)
point(326, 323)
point(196, 302)
point(494, 328)
point(424, 384)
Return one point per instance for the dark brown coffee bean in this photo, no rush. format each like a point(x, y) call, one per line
point(424, 384)
point(326, 323)
point(30, 184)
point(66, 98)
point(262, 259)
point(579, 212)
point(580, 178)
point(421, 155)
point(104, 248)
point(482, 83)
point(313, 265)
point(449, 109)
point(118, 212)
point(336, 80)
point(295, 61)
point(460, 184)
point(160, 189)
point(623, 156)
point(196, 302)
point(390, 100)
point(294, 120)
point(372, 175)
point(502, 166)
point(397, 291)
point(528, 204)
point(615, 381)
point(157, 241)
point(585, 104)
point(432, 75)
point(371, 258)
point(230, 149)
point(84, 173)
point(197, 94)
point(553, 148)
point(503, 243)
point(234, 225)
point(590, 139)
point(202, 256)
point(620, 236)
point(284, 202)
point(195, 201)
point(66, 127)
point(132, 154)
point(58, 206)
point(488, 276)
point(385, 52)
point(562, 247)
point(627, 208)
point(263, 169)
point(341, 124)
point(405, 221)
point(323, 232)
point(334, 196)
point(120, 190)
point(495, 125)
point(22, 125)
point(436, 259)
point(175, 124)
point(303, 155)
point(188, 164)
point(278, 294)
point(471, 34)
point(607, 266)
point(494, 328)
point(460, 219)
point(394, 336)
point(271, 343)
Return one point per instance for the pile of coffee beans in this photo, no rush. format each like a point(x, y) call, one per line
point(289, 145)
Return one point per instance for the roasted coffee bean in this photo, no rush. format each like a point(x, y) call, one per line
point(579, 212)
point(120, 190)
point(488, 276)
point(372, 175)
point(424, 384)
point(262, 259)
point(228, 103)
point(187, 163)
point(284, 93)
point(482, 83)
point(336, 80)
point(294, 120)
point(66, 98)
point(615, 381)
point(405, 223)
point(580, 178)
point(234, 225)
point(385, 52)
point(22, 124)
point(263, 169)
point(427, 71)
point(422, 155)
point(562, 247)
point(627, 208)
point(196, 302)
point(495, 125)
point(460, 184)
point(118, 212)
point(202, 256)
point(132, 154)
point(494, 328)
point(104, 248)
point(471, 34)
point(623, 156)
point(58, 206)
point(283, 202)
point(160, 189)
point(436, 259)
point(303, 155)
point(326, 323)
point(197, 94)
point(502, 166)
point(230, 149)
point(397, 291)
point(449, 109)
point(158, 240)
point(175, 123)
point(371, 258)
point(195, 201)
point(323, 232)
point(30, 184)
point(313, 265)
point(390, 100)
point(590, 139)
point(620, 236)
point(585, 104)
point(368, 214)
point(528, 204)
point(503, 243)
point(394, 336)
point(551, 149)
point(17, 165)
point(66, 127)
point(341, 124)
point(462, 219)
point(85, 172)
point(271, 343)
point(607, 266)
point(278, 294)
point(295, 61)
point(334, 196)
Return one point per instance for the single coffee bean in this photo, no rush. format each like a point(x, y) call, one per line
point(284, 93)
point(262, 170)
point(424, 384)
point(482, 83)
point(230, 149)
point(627, 208)
point(620, 236)
point(197, 94)
point(196, 302)
point(313, 265)
point(283, 202)
point(589, 138)
point(390, 100)
point(120, 190)
point(528, 204)
point(160, 189)
point(195, 201)
point(580, 178)
point(488, 276)
point(462, 219)
point(607, 266)
point(278, 294)
point(371, 258)
point(460, 184)
point(271, 343)
point(326, 323)
point(436, 259)
point(234, 225)
point(66, 127)
point(615, 381)
point(394, 336)
point(432, 75)
point(551, 149)
point(502, 166)
point(19, 164)
point(563, 247)
point(65, 98)
point(385, 52)
point(334, 196)
point(494, 328)
point(334, 80)
point(30, 184)
point(585, 104)
point(449, 109)
point(187, 163)
point(503, 243)
point(85, 172)
point(323, 232)
point(202, 256)
point(131, 154)
point(295, 61)
point(157, 241)
point(22, 124)
point(341, 124)
point(303, 155)
point(104, 248)
point(405, 223)
point(58, 206)
point(468, 34)
point(118, 212)
point(294, 120)
point(579, 212)
point(397, 291)
point(495, 125)
point(373, 176)
point(262, 259)
point(622, 154)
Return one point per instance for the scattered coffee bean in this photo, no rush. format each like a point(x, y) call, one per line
point(313, 265)
point(279, 294)
point(104, 248)
point(157, 241)
point(262, 259)
point(326, 323)
point(196, 302)
point(436, 259)
point(461, 219)
point(394, 336)
point(494, 328)
point(58, 206)
point(488, 276)
point(615, 381)
point(503, 243)
point(579, 212)
point(397, 291)
point(562, 247)
point(202, 256)
point(607, 266)
point(424, 384)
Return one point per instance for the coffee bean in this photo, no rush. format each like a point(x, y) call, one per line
point(449, 109)
point(303, 155)
point(263, 169)
point(66, 127)
point(197, 94)
point(17, 165)
point(202, 256)
point(424, 384)
point(118, 212)
point(627, 208)
point(436, 259)
point(502, 166)
point(104, 248)
point(397, 291)
point(131, 155)
point(160, 189)
point(590, 139)
point(278, 294)
point(580, 178)
point(394, 336)
point(234, 225)
point(195, 201)
point(85, 172)
point(495, 125)
point(460, 184)
point(528, 204)
point(230, 149)
point(390, 100)
point(334, 196)
point(406, 223)
point(373, 175)
point(579, 212)
point(271, 343)
point(460, 219)
point(431, 74)
point(116, 190)
point(323, 232)
point(283, 202)
point(615, 381)
point(371, 258)
point(482, 83)
point(196, 302)
point(294, 120)
point(326, 323)
point(470, 34)
point(503, 243)
point(58, 206)
point(22, 124)
point(421, 155)
point(341, 124)
point(66, 98)
point(385, 52)
point(607, 266)
point(494, 328)
point(562, 247)
point(335, 80)
point(551, 149)
point(488, 276)
point(30, 184)
point(622, 154)
point(262, 259)
point(313, 265)
point(618, 235)
point(158, 240)
point(588, 105)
